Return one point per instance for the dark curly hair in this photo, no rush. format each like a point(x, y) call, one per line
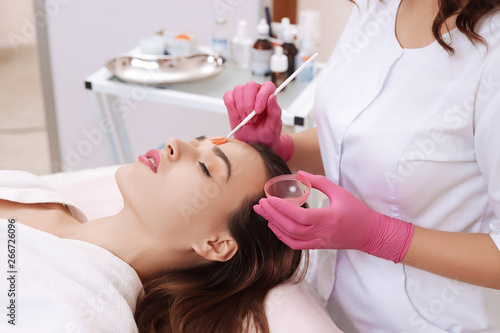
point(468, 12)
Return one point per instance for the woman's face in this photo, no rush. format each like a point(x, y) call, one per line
point(190, 189)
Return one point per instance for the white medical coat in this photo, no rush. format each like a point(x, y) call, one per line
point(414, 134)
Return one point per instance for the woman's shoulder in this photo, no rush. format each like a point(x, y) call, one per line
point(488, 28)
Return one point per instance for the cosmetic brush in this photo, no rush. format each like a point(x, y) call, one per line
point(219, 141)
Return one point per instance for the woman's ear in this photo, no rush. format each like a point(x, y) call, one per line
point(220, 249)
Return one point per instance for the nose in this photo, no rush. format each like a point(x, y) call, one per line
point(176, 148)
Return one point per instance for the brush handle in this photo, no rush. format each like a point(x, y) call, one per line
point(280, 88)
point(294, 74)
point(243, 122)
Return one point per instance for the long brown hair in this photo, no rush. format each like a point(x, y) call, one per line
point(469, 12)
point(224, 297)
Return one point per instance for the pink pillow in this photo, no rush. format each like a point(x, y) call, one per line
point(94, 191)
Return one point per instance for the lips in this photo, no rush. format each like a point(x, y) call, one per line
point(151, 159)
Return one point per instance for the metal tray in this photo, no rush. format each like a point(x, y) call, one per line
point(164, 70)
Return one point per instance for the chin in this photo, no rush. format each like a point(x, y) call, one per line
point(119, 174)
point(123, 177)
point(131, 180)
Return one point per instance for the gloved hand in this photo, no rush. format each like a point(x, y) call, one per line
point(266, 126)
point(347, 223)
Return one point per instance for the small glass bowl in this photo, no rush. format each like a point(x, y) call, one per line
point(292, 188)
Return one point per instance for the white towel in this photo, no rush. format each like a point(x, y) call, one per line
point(64, 285)
point(24, 187)
point(60, 285)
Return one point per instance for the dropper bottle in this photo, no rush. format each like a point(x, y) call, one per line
point(262, 50)
point(279, 66)
point(289, 49)
point(285, 25)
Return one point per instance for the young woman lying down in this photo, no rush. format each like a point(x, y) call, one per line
point(187, 253)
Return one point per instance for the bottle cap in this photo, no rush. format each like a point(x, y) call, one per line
point(289, 35)
point(279, 61)
point(285, 21)
point(263, 29)
point(285, 25)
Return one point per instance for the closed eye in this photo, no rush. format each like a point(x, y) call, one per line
point(204, 169)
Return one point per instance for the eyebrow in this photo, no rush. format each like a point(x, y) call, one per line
point(223, 156)
point(217, 151)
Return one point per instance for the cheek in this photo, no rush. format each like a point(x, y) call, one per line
point(144, 192)
point(178, 202)
point(204, 208)
point(191, 215)
point(200, 201)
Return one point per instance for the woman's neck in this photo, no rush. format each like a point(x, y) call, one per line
point(118, 234)
point(125, 236)
point(414, 21)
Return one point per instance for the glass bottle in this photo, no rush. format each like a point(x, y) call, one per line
point(262, 50)
point(220, 38)
point(289, 49)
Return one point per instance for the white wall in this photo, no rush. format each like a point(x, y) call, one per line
point(334, 15)
point(84, 34)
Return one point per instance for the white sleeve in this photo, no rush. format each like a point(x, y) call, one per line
point(487, 135)
point(295, 308)
point(496, 238)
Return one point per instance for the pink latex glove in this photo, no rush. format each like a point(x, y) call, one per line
point(347, 223)
point(266, 126)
